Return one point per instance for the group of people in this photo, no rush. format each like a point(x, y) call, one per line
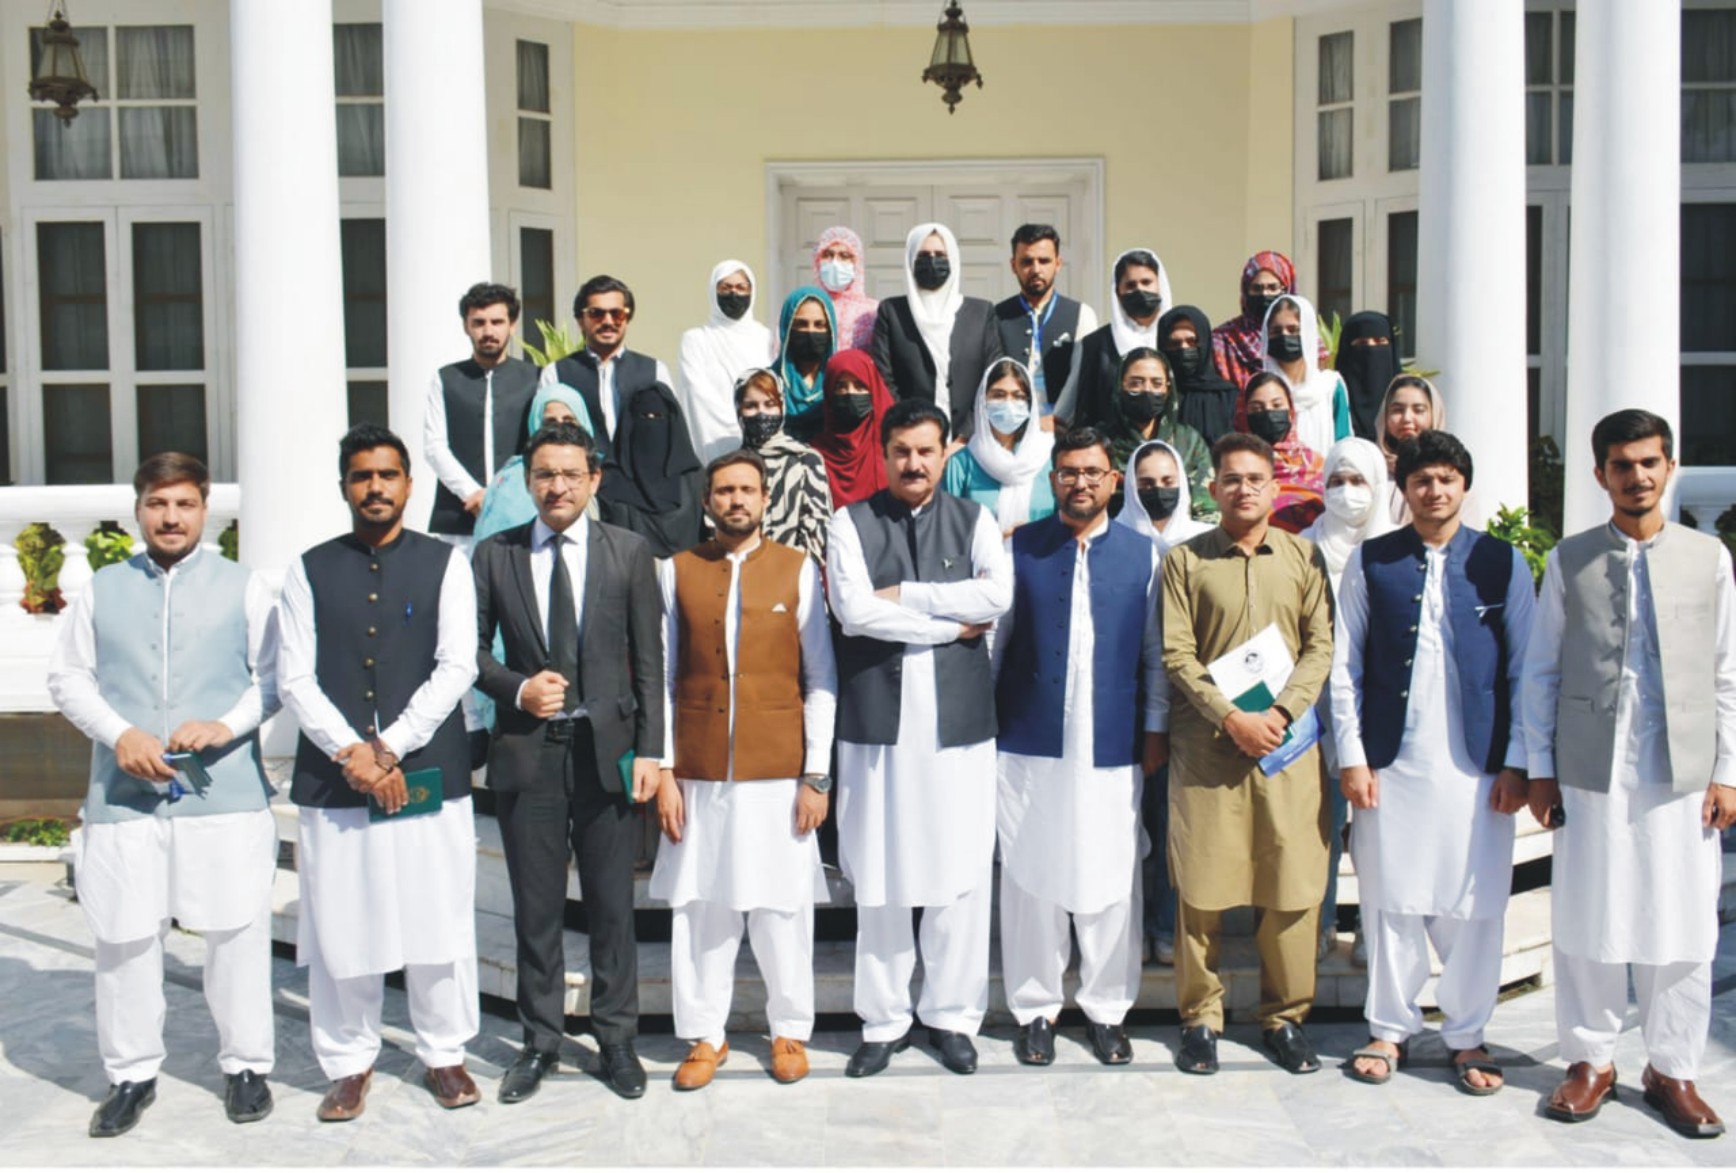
point(1135, 600)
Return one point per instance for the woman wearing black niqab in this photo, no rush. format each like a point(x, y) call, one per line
point(1206, 401)
point(1368, 362)
point(653, 483)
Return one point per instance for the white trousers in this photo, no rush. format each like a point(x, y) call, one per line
point(1036, 946)
point(703, 944)
point(1675, 1011)
point(345, 1013)
point(1398, 968)
point(955, 965)
point(130, 1007)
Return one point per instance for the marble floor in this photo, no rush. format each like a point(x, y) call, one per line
point(1074, 1113)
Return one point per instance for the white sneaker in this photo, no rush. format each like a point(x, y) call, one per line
point(1163, 948)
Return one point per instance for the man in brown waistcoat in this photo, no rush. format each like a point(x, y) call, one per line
point(752, 689)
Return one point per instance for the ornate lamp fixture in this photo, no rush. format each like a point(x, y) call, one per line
point(951, 66)
point(58, 74)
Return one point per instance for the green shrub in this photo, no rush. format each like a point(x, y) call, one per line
point(557, 344)
point(38, 833)
point(107, 544)
point(41, 554)
point(1517, 528)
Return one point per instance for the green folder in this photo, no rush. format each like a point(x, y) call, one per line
point(624, 763)
point(426, 795)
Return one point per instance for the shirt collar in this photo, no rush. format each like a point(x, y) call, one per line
point(540, 532)
point(155, 568)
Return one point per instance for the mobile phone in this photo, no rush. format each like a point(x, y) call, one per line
point(188, 763)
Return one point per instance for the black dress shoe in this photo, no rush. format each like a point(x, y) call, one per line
point(1110, 1044)
point(872, 1058)
point(525, 1076)
point(622, 1070)
point(126, 1102)
point(1291, 1048)
point(1199, 1050)
point(957, 1053)
point(246, 1097)
point(1035, 1046)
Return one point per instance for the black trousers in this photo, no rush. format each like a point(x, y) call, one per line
point(538, 829)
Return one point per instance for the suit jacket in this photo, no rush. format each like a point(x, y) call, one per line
point(908, 368)
point(620, 656)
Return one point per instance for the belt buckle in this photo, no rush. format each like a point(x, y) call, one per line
point(558, 730)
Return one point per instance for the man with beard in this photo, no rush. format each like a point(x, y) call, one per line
point(379, 644)
point(475, 416)
point(1039, 326)
point(168, 664)
point(916, 577)
point(605, 373)
point(752, 689)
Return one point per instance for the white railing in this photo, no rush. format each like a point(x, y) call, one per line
point(1706, 493)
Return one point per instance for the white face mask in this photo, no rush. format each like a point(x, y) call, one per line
point(1007, 416)
point(1349, 503)
point(836, 276)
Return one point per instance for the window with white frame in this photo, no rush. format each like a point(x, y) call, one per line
point(1709, 85)
point(72, 284)
point(1708, 293)
point(1334, 285)
point(1549, 88)
point(535, 118)
point(144, 121)
point(1404, 87)
point(536, 282)
point(363, 243)
point(359, 67)
point(1336, 106)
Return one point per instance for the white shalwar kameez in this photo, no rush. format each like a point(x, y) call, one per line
point(916, 821)
point(1071, 837)
point(397, 894)
point(1434, 860)
point(739, 851)
point(1637, 873)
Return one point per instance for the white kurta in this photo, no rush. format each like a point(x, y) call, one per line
point(1636, 873)
point(916, 821)
point(1432, 846)
point(739, 848)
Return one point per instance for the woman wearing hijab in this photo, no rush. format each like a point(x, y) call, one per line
point(1410, 407)
point(798, 500)
point(1322, 406)
point(712, 355)
point(839, 267)
point(1144, 410)
point(1269, 408)
point(507, 501)
point(1004, 466)
point(1138, 296)
point(1238, 345)
point(653, 482)
point(1205, 400)
point(1368, 363)
point(934, 343)
point(856, 399)
point(807, 337)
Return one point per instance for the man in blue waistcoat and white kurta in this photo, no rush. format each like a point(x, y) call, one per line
point(1432, 625)
point(167, 663)
point(1069, 698)
point(1630, 720)
point(915, 578)
point(379, 645)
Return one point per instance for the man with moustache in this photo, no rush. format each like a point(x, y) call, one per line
point(916, 577)
point(475, 415)
point(605, 373)
point(168, 664)
point(1039, 326)
point(379, 645)
point(752, 690)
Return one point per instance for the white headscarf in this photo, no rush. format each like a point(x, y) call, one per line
point(1437, 422)
point(934, 310)
point(1017, 468)
point(1128, 333)
point(712, 357)
point(1181, 524)
point(1314, 424)
point(1338, 537)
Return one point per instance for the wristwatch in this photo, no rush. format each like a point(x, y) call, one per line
point(821, 783)
point(386, 758)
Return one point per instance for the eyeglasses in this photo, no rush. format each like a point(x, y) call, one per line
point(548, 476)
point(1089, 477)
point(1233, 482)
point(598, 314)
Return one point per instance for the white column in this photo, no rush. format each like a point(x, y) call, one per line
point(289, 327)
point(437, 242)
point(1625, 257)
point(1471, 234)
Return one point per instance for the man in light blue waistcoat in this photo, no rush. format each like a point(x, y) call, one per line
point(168, 664)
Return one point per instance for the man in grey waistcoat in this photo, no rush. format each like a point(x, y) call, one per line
point(167, 663)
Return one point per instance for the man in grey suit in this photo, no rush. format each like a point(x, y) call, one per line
point(579, 739)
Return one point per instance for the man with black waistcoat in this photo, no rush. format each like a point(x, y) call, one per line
point(476, 410)
point(378, 648)
point(579, 741)
point(1039, 326)
point(605, 373)
point(916, 577)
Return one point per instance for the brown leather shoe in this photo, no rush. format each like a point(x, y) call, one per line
point(700, 1065)
point(789, 1060)
point(1581, 1095)
point(452, 1086)
point(346, 1098)
point(1681, 1105)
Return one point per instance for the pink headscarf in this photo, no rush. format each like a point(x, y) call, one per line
point(854, 307)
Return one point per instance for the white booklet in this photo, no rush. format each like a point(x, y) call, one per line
point(1253, 674)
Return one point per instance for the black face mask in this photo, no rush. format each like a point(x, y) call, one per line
point(1141, 408)
point(1140, 303)
point(1270, 426)
point(1259, 303)
point(1185, 359)
point(757, 429)
point(850, 410)
point(734, 305)
point(1285, 347)
point(931, 271)
point(1160, 503)
point(810, 347)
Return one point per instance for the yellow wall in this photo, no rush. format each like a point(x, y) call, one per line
point(674, 130)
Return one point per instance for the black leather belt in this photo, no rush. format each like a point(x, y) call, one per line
point(561, 729)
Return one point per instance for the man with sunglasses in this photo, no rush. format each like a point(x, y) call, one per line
point(605, 373)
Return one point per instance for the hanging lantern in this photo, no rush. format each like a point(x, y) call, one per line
point(951, 66)
point(58, 75)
